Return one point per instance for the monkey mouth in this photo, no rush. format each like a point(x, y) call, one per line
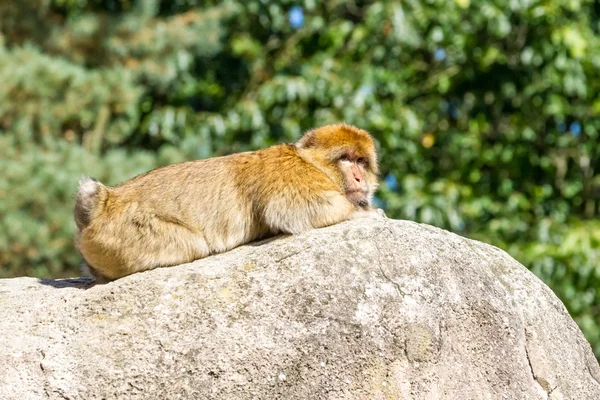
point(357, 196)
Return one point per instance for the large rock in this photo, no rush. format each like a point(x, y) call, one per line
point(368, 309)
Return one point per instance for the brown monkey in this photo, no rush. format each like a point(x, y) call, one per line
point(183, 212)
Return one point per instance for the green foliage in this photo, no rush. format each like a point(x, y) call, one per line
point(486, 113)
point(43, 97)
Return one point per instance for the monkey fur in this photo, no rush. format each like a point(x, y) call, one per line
point(187, 211)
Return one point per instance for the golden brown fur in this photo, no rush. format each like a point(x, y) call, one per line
point(187, 211)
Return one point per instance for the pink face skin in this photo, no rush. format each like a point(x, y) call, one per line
point(354, 168)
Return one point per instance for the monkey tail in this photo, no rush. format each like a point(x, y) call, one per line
point(89, 195)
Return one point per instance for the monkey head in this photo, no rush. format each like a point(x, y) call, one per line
point(347, 155)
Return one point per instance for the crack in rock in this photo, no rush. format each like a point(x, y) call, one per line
point(589, 369)
point(538, 379)
point(379, 264)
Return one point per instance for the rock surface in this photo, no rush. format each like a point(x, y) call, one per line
point(367, 309)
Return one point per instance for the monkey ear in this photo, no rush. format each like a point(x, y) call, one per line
point(306, 141)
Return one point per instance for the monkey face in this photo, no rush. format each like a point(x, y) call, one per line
point(348, 155)
point(357, 178)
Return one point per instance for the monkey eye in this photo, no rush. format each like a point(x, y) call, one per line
point(362, 161)
point(344, 157)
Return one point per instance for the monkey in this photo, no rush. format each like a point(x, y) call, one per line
point(187, 211)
